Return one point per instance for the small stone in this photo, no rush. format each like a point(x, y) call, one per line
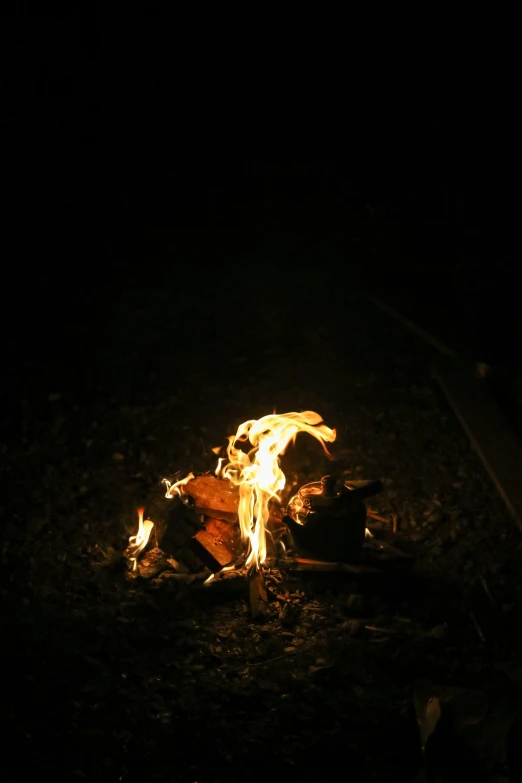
point(413, 523)
point(435, 517)
point(289, 649)
point(118, 457)
point(320, 662)
point(440, 631)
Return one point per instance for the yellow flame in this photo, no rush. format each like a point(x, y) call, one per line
point(175, 488)
point(138, 542)
point(258, 473)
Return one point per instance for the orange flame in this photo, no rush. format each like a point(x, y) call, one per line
point(258, 473)
point(138, 542)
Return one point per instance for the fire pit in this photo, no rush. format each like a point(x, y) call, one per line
point(233, 520)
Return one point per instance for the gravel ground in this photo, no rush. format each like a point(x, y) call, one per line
point(118, 679)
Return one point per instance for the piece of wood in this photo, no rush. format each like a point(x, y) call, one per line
point(257, 595)
point(422, 333)
point(488, 429)
point(216, 498)
point(217, 544)
point(322, 566)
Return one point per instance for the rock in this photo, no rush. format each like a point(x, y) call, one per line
point(118, 457)
point(440, 631)
point(435, 517)
point(289, 649)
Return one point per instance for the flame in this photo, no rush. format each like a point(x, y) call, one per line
point(258, 473)
point(138, 542)
point(172, 488)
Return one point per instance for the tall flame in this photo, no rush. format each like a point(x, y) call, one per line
point(258, 473)
point(139, 541)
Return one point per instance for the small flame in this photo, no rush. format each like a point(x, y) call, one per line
point(138, 542)
point(258, 473)
point(175, 488)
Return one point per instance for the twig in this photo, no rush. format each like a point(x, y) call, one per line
point(486, 590)
point(380, 630)
point(478, 628)
point(374, 515)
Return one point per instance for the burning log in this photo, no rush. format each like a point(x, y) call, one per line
point(257, 595)
point(217, 544)
point(214, 497)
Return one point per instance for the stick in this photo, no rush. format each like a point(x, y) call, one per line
point(257, 595)
point(306, 564)
point(487, 590)
point(478, 628)
point(373, 514)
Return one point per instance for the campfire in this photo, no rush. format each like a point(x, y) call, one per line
point(234, 519)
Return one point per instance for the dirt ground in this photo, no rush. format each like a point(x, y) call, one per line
point(116, 679)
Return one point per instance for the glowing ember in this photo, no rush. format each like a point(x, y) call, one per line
point(138, 542)
point(258, 473)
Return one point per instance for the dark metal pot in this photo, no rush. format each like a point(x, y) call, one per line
point(327, 519)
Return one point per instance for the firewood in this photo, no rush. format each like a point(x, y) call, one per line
point(217, 544)
point(219, 499)
point(216, 498)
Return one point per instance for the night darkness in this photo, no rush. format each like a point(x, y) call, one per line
point(196, 234)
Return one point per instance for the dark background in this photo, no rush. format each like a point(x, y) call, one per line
point(145, 153)
point(180, 198)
